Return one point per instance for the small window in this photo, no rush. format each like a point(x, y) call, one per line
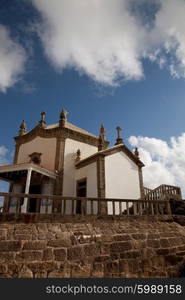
point(35, 157)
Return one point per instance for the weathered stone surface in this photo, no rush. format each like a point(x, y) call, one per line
point(29, 256)
point(91, 250)
point(164, 243)
point(80, 271)
point(105, 248)
point(139, 236)
point(34, 245)
point(153, 243)
point(25, 273)
point(7, 256)
point(47, 254)
point(75, 253)
point(36, 267)
point(60, 254)
point(10, 246)
point(120, 246)
point(59, 243)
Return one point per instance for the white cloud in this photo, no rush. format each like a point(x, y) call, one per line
point(12, 60)
point(3, 152)
point(96, 37)
point(107, 39)
point(170, 23)
point(164, 163)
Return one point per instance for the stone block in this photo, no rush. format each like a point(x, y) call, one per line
point(181, 253)
point(3, 268)
point(114, 256)
point(122, 237)
point(91, 250)
point(105, 248)
point(22, 237)
point(181, 248)
point(40, 274)
point(34, 245)
point(75, 253)
point(7, 256)
point(164, 243)
point(175, 241)
point(173, 259)
point(29, 256)
point(102, 258)
point(123, 266)
point(25, 273)
point(153, 243)
point(130, 254)
point(59, 243)
point(14, 269)
point(47, 254)
point(163, 251)
point(59, 274)
point(153, 236)
point(120, 246)
point(98, 270)
point(80, 271)
point(60, 254)
point(36, 267)
point(139, 236)
point(10, 245)
point(112, 267)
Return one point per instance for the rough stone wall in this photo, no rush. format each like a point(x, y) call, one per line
point(103, 248)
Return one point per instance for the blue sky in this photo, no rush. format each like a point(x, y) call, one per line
point(141, 89)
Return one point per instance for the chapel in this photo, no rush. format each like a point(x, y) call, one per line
point(63, 159)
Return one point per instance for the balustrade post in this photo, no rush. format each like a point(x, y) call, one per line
point(6, 204)
point(168, 207)
point(135, 208)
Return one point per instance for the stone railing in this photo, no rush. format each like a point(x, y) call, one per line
point(52, 204)
point(163, 192)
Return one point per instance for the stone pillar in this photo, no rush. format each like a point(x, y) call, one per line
point(142, 193)
point(101, 184)
point(27, 188)
point(16, 188)
point(59, 168)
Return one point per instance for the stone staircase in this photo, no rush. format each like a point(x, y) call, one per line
point(163, 192)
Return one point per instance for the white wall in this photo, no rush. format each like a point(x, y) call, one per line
point(46, 146)
point(47, 189)
point(71, 147)
point(90, 172)
point(121, 179)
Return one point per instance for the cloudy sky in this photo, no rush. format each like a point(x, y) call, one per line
point(114, 62)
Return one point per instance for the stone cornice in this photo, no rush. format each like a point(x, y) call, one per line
point(57, 132)
point(110, 151)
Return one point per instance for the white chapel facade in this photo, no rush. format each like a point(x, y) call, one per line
point(63, 159)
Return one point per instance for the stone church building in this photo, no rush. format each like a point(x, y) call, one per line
point(63, 159)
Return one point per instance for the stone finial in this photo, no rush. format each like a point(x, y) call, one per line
point(63, 118)
point(43, 117)
point(102, 132)
point(136, 152)
point(22, 128)
point(78, 156)
point(119, 140)
point(101, 145)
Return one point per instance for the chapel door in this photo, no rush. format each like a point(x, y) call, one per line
point(81, 192)
point(34, 202)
